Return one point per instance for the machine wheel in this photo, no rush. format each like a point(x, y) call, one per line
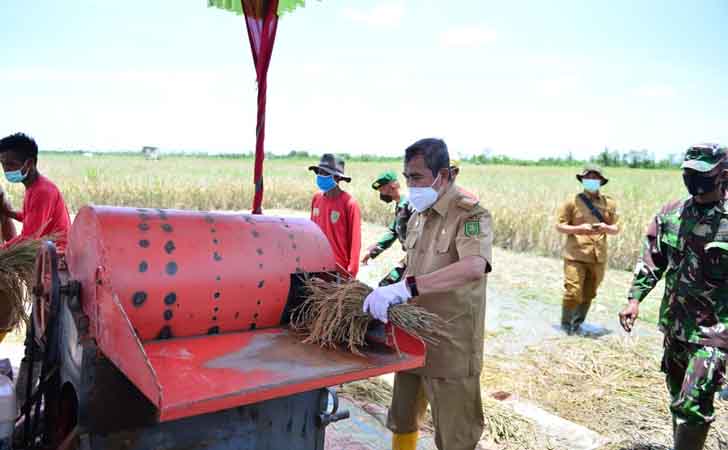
point(46, 291)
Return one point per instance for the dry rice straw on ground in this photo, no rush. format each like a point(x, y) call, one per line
point(331, 315)
point(612, 385)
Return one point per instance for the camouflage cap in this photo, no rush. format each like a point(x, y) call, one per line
point(704, 157)
point(384, 179)
point(330, 165)
point(592, 168)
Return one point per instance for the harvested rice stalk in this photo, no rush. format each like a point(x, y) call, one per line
point(17, 270)
point(332, 315)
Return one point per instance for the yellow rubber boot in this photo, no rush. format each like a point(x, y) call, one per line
point(404, 441)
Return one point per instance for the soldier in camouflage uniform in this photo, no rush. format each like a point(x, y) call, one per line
point(687, 243)
point(388, 187)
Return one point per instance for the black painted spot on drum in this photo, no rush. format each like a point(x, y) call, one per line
point(216, 309)
point(291, 236)
point(294, 246)
point(165, 333)
point(218, 278)
point(216, 295)
point(260, 266)
point(261, 283)
point(286, 225)
point(168, 314)
point(259, 251)
point(212, 230)
point(255, 233)
point(144, 216)
point(214, 318)
point(162, 214)
point(144, 226)
point(298, 259)
point(171, 268)
point(216, 256)
point(170, 298)
point(255, 316)
point(167, 227)
point(237, 314)
point(144, 243)
point(169, 247)
point(252, 326)
point(209, 218)
point(143, 266)
point(214, 330)
point(215, 241)
point(259, 302)
point(139, 298)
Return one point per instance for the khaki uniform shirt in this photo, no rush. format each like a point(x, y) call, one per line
point(455, 227)
point(587, 248)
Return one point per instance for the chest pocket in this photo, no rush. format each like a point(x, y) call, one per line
point(716, 268)
point(445, 238)
point(411, 240)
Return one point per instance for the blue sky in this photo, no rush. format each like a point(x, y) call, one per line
point(522, 78)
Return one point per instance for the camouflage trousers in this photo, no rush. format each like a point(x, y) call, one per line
point(694, 373)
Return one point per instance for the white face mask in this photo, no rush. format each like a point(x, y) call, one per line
point(422, 198)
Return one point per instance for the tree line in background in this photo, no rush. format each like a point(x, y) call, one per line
point(637, 159)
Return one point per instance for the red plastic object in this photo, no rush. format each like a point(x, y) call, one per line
point(188, 306)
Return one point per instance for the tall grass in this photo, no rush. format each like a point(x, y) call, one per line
point(522, 200)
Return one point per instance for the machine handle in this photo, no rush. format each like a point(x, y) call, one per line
point(326, 418)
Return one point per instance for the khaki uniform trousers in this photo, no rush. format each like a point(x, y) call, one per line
point(456, 405)
point(581, 280)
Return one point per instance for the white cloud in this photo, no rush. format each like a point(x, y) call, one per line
point(655, 90)
point(467, 37)
point(383, 15)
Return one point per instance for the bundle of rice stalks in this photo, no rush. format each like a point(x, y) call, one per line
point(332, 315)
point(17, 270)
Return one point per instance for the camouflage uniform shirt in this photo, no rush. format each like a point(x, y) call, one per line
point(397, 230)
point(687, 243)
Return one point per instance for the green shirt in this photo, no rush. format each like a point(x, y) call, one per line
point(397, 229)
point(687, 243)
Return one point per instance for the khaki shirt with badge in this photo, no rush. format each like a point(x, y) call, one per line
point(587, 248)
point(455, 227)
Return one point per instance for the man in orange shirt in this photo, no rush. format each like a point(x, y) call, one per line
point(337, 213)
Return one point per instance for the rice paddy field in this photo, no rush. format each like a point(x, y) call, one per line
point(522, 200)
point(611, 385)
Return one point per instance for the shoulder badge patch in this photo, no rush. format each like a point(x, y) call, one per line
point(472, 228)
point(335, 215)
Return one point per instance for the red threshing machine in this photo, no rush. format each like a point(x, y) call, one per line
point(168, 330)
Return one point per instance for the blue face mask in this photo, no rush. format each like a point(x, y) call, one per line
point(15, 176)
point(591, 185)
point(325, 183)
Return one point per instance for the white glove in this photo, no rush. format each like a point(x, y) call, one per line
point(380, 299)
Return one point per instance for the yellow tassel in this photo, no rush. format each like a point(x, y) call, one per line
point(404, 441)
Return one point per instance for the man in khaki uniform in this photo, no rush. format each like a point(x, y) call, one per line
point(448, 249)
point(586, 219)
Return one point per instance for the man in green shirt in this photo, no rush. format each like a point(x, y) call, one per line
point(687, 245)
point(388, 187)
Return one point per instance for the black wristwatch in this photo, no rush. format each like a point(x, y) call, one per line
point(412, 285)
